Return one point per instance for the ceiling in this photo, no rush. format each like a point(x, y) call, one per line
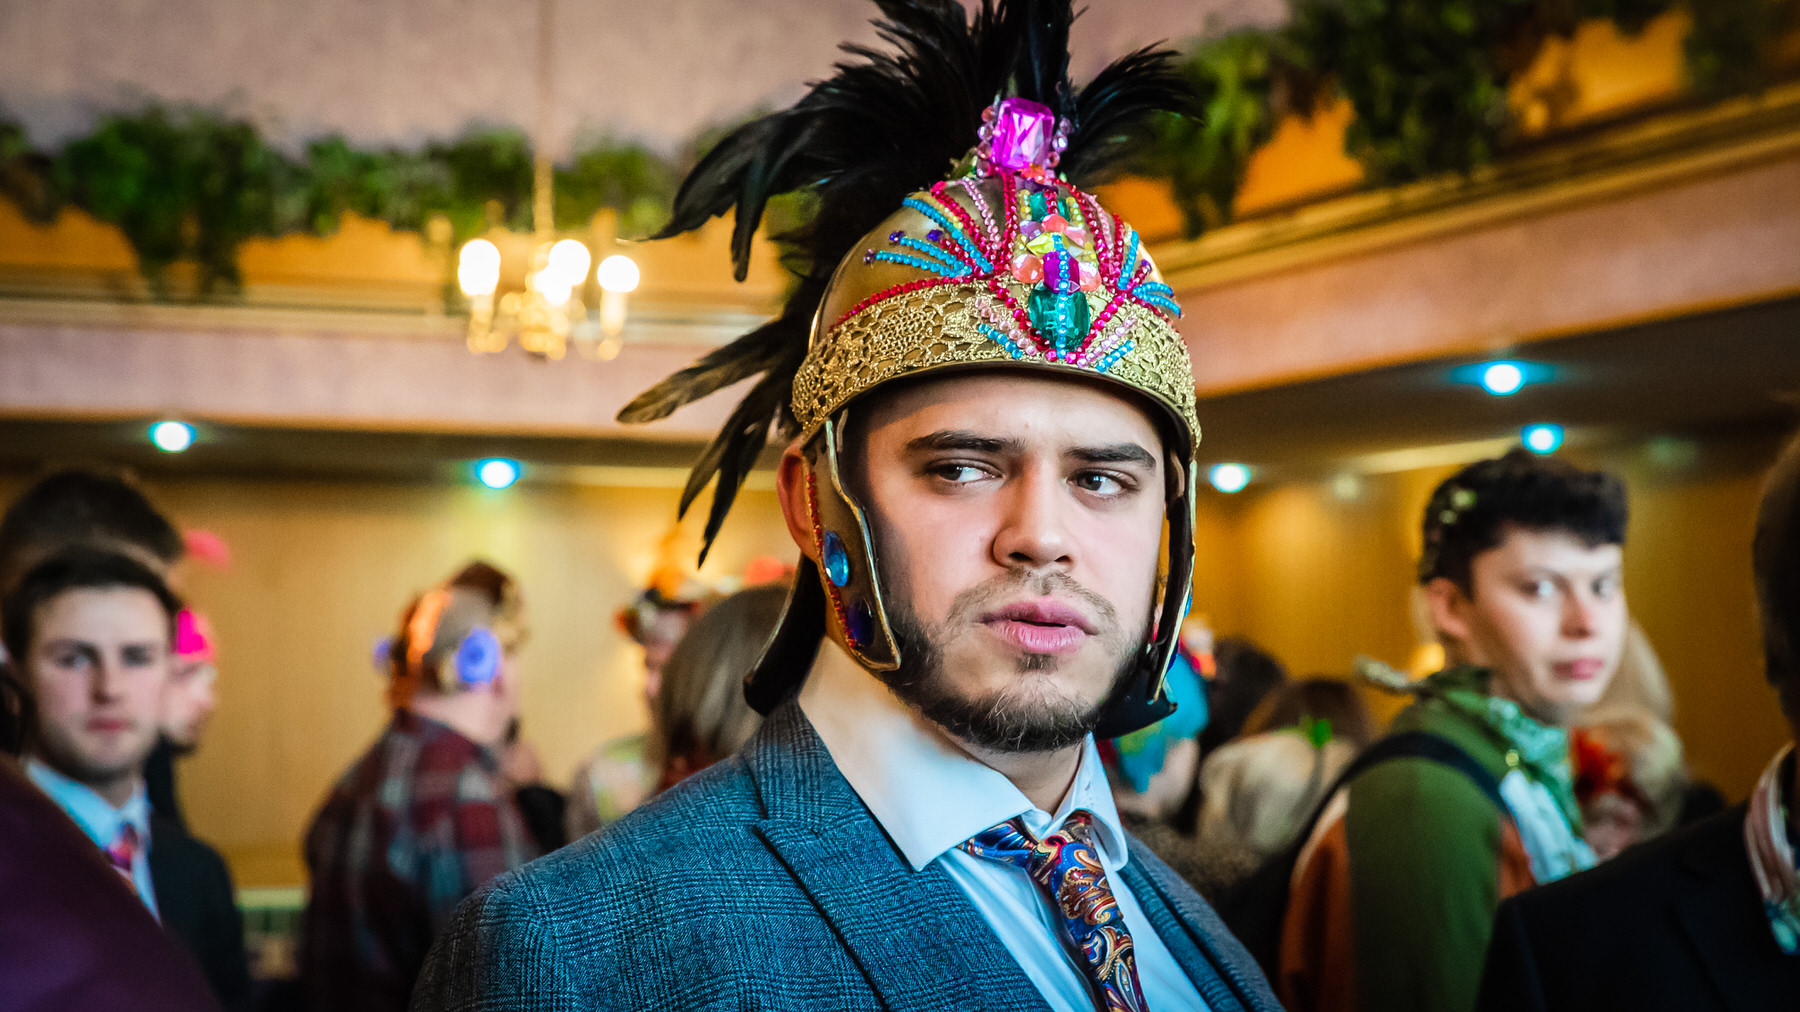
point(1730, 369)
point(1710, 372)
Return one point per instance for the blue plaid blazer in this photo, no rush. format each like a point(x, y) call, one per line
point(764, 883)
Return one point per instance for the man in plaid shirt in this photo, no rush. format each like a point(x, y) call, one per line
point(425, 817)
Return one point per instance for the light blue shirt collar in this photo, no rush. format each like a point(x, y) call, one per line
point(927, 793)
point(94, 814)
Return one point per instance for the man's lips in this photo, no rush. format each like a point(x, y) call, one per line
point(108, 725)
point(1584, 670)
point(1040, 627)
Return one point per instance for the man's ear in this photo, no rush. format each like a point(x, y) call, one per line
point(1448, 607)
point(796, 508)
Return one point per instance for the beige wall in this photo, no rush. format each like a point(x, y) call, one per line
point(320, 571)
point(1318, 580)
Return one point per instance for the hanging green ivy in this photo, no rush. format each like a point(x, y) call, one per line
point(187, 184)
point(1428, 80)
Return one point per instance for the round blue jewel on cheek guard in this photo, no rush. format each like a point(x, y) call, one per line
point(861, 624)
point(478, 658)
point(837, 561)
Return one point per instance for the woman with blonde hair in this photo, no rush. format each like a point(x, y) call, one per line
point(700, 716)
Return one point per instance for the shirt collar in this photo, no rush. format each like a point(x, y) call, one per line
point(926, 792)
point(1772, 853)
point(94, 814)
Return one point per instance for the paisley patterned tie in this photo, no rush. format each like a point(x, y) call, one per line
point(1067, 868)
point(124, 851)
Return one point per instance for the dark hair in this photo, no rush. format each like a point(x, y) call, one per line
point(1775, 561)
point(84, 507)
point(485, 578)
point(1245, 674)
point(1473, 509)
point(1320, 697)
point(78, 568)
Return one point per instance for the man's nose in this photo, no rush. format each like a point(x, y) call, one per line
point(1034, 530)
point(1579, 609)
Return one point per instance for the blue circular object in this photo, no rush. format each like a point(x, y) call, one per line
point(861, 624)
point(478, 658)
point(837, 561)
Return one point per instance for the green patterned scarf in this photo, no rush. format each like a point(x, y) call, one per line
point(1540, 750)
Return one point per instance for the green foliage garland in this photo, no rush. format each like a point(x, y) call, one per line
point(190, 184)
point(1428, 80)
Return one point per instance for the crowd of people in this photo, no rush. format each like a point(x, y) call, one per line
point(974, 752)
point(1362, 868)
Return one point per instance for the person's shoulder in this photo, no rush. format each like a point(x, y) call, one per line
point(696, 827)
point(1416, 788)
point(1641, 874)
point(178, 845)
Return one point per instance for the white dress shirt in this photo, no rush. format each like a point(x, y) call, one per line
point(101, 821)
point(929, 796)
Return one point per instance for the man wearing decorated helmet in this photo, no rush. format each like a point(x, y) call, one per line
point(426, 815)
point(992, 428)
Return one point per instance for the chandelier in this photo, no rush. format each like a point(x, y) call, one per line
point(551, 309)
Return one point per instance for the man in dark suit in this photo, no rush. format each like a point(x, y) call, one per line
point(1708, 918)
point(990, 487)
point(91, 633)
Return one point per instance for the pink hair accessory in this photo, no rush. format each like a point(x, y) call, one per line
point(193, 636)
point(207, 547)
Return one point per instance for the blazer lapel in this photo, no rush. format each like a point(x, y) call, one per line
point(1191, 949)
point(1716, 903)
point(917, 938)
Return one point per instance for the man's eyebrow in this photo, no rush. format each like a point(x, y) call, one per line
point(962, 439)
point(71, 643)
point(1114, 453)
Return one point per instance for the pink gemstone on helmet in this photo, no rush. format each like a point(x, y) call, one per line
point(1027, 269)
point(1055, 223)
point(1090, 276)
point(1077, 235)
point(1023, 133)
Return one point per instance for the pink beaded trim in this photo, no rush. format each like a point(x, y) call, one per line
point(997, 239)
point(962, 215)
point(889, 292)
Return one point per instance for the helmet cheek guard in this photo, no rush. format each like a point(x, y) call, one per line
point(1140, 699)
point(837, 589)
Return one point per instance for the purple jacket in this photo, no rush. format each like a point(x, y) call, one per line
point(73, 936)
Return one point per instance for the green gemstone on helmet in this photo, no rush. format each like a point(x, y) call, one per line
point(1060, 318)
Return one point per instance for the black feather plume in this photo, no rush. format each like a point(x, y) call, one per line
point(887, 123)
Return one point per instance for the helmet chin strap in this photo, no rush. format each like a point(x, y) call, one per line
point(839, 594)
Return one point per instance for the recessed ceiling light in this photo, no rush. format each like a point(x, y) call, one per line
point(1502, 378)
point(1543, 438)
point(1229, 478)
point(497, 472)
point(171, 436)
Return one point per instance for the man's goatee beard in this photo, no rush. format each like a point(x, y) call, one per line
point(1015, 721)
